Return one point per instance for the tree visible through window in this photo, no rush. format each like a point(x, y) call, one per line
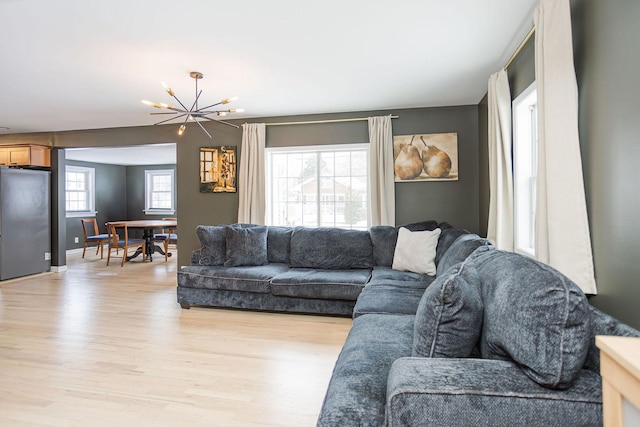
point(318, 187)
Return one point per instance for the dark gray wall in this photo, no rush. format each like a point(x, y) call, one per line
point(58, 214)
point(607, 45)
point(455, 202)
point(606, 41)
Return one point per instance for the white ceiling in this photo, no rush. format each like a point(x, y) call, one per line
point(78, 64)
point(150, 154)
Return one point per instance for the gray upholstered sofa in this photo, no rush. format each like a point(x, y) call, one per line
point(297, 269)
point(497, 339)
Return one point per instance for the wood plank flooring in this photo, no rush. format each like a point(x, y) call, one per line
point(110, 346)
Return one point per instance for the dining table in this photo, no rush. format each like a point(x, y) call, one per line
point(148, 226)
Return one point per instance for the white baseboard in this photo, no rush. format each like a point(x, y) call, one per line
point(58, 268)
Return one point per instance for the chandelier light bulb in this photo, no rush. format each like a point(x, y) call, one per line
point(167, 88)
point(181, 130)
point(236, 110)
point(228, 100)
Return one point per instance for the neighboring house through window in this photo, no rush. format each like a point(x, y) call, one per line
point(525, 165)
point(80, 191)
point(318, 186)
point(159, 188)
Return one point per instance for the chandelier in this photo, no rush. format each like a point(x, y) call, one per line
point(195, 113)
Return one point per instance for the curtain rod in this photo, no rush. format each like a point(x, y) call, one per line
point(355, 119)
point(520, 47)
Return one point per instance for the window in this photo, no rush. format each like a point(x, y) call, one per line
point(159, 192)
point(319, 186)
point(525, 155)
point(80, 191)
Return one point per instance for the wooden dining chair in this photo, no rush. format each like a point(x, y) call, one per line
point(92, 235)
point(119, 239)
point(168, 237)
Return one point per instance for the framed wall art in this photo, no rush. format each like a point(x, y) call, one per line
point(425, 157)
point(218, 168)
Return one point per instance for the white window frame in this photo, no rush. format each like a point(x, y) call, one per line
point(307, 149)
point(90, 184)
point(525, 159)
point(148, 191)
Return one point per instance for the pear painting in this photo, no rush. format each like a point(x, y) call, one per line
point(427, 157)
point(408, 162)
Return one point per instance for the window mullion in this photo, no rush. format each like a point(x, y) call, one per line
point(318, 191)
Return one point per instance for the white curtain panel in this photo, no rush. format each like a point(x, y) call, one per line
point(500, 227)
point(562, 228)
point(382, 196)
point(251, 177)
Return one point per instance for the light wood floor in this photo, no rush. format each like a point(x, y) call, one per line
point(109, 346)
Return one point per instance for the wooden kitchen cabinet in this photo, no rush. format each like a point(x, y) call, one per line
point(25, 155)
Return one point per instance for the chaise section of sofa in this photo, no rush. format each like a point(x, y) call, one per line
point(494, 339)
point(358, 384)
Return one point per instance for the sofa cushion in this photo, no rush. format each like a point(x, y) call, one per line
point(447, 237)
point(330, 248)
point(356, 394)
point(449, 317)
point(412, 279)
point(388, 297)
point(246, 246)
point(325, 284)
point(459, 250)
point(213, 244)
point(278, 244)
point(384, 237)
point(416, 251)
point(533, 315)
point(248, 279)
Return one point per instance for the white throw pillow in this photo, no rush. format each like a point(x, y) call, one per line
point(416, 251)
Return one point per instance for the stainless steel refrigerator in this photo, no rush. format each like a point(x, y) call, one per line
point(25, 222)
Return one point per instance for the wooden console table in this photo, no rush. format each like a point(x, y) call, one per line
point(620, 370)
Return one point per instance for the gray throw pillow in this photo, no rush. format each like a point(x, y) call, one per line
point(449, 317)
point(213, 241)
point(278, 244)
point(533, 315)
point(246, 246)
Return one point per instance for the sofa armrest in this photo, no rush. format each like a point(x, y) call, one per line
point(463, 392)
